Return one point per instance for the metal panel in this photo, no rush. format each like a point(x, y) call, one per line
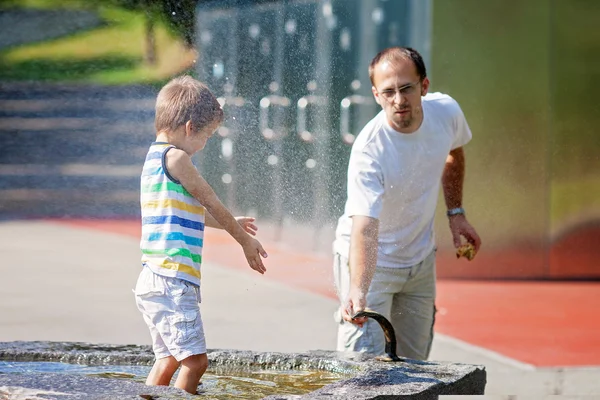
point(217, 67)
point(300, 85)
point(293, 69)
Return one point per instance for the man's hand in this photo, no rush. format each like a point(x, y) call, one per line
point(460, 227)
point(253, 251)
point(247, 224)
point(355, 302)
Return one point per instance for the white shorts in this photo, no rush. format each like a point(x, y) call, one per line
point(171, 310)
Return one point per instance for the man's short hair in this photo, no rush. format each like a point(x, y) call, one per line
point(185, 99)
point(397, 54)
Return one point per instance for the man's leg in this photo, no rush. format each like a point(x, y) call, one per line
point(413, 311)
point(368, 338)
point(192, 369)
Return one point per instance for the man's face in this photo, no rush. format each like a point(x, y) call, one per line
point(398, 89)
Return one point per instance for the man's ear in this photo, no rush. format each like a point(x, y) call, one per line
point(375, 94)
point(425, 86)
point(189, 129)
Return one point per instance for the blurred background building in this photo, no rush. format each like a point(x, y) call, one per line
point(292, 77)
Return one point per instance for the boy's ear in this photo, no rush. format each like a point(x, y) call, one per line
point(189, 129)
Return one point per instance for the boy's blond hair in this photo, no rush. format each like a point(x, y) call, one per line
point(186, 99)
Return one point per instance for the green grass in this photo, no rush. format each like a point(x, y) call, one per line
point(110, 54)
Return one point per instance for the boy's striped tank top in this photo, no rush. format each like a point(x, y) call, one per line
point(172, 221)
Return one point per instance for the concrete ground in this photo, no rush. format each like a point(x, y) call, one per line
point(68, 283)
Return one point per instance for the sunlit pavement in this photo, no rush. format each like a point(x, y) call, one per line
point(72, 281)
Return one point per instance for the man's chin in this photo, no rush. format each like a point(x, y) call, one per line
point(403, 122)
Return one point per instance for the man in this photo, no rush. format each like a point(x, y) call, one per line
point(384, 246)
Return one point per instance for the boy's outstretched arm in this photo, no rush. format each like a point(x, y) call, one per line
point(180, 166)
point(246, 222)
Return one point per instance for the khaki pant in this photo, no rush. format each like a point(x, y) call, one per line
point(405, 296)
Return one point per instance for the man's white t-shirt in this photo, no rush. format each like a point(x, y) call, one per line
point(395, 177)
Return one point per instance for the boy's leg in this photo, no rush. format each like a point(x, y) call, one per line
point(162, 371)
point(192, 369)
point(183, 333)
point(413, 311)
point(165, 365)
point(171, 311)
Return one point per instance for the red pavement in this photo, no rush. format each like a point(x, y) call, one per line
point(540, 323)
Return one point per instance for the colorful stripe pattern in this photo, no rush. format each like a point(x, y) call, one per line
point(172, 221)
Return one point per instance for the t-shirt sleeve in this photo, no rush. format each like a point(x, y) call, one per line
point(462, 132)
point(365, 185)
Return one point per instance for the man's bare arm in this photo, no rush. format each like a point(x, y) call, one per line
point(453, 178)
point(452, 182)
point(363, 251)
point(363, 260)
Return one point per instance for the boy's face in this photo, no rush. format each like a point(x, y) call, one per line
point(196, 140)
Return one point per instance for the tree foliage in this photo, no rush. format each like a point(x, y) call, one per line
point(178, 15)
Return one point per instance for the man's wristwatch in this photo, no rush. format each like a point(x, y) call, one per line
point(455, 211)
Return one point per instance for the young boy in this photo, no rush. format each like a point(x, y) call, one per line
point(177, 203)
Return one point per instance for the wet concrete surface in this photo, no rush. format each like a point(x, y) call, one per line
point(368, 378)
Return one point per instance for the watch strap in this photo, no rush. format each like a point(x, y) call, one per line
point(455, 211)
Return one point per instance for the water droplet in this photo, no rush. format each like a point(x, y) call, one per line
point(254, 31)
point(377, 16)
point(345, 39)
point(227, 148)
point(327, 10)
point(290, 26)
point(205, 37)
point(218, 69)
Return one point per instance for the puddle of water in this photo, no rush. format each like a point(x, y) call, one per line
point(216, 384)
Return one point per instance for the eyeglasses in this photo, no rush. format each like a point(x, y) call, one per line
point(406, 90)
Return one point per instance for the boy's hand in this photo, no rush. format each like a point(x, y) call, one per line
point(247, 224)
point(253, 251)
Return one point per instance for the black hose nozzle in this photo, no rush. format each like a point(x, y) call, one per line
point(388, 332)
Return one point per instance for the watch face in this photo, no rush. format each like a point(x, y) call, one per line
point(455, 211)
